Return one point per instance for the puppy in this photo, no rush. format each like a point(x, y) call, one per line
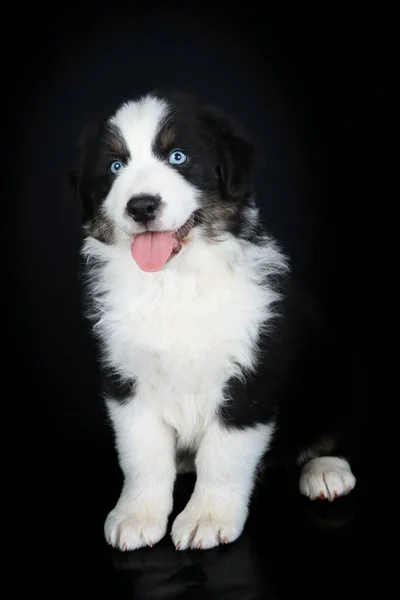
point(206, 346)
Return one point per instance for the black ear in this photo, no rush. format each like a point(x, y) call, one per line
point(236, 152)
point(78, 174)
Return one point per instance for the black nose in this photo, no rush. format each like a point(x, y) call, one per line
point(143, 208)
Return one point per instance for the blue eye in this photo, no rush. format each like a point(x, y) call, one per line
point(177, 157)
point(116, 166)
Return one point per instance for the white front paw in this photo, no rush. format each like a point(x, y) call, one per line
point(135, 527)
point(326, 478)
point(207, 523)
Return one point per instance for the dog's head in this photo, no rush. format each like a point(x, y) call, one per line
point(158, 168)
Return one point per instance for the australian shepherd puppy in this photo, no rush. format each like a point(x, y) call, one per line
point(207, 350)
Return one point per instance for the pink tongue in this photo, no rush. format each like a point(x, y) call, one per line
point(152, 250)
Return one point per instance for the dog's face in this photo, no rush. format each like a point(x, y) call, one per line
point(163, 163)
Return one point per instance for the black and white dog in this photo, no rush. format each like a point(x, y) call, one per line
point(206, 348)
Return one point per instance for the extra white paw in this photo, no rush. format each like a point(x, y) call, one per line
point(326, 478)
point(204, 525)
point(134, 528)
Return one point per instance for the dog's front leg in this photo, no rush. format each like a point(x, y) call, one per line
point(146, 455)
point(226, 463)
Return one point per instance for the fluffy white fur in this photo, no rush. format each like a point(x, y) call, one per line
point(326, 477)
point(181, 333)
point(225, 465)
point(172, 331)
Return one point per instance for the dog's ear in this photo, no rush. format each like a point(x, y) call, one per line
point(236, 154)
point(80, 188)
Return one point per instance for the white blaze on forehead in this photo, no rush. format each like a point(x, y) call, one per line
point(139, 122)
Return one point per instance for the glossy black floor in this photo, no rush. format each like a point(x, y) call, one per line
point(290, 548)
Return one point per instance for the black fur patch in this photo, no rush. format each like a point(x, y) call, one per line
point(302, 381)
point(221, 163)
point(116, 387)
point(99, 145)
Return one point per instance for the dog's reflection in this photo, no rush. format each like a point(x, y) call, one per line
point(264, 562)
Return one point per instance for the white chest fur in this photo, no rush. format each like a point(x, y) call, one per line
point(183, 332)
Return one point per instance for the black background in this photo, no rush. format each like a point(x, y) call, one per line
point(305, 82)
